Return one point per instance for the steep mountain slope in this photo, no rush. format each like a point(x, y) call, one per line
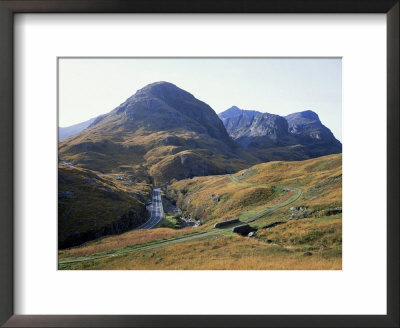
point(309, 131)
point(272, 137)
point(92, 205)
point(236, 111)
point(161, 130)
point(69, 131)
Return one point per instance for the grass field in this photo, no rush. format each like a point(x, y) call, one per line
point(222, 252)
point(296, 207)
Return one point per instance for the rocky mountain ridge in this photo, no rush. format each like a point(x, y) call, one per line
point(272, 137)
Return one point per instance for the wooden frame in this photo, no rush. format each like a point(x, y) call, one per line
point(7, 10)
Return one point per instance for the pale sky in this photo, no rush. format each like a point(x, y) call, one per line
point(90, 87)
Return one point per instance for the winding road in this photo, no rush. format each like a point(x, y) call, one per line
point(157, 211)
point(157, 214)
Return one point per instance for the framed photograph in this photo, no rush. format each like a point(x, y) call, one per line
point(191, 164)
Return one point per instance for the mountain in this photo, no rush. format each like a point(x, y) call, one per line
point(69, 131)
point(108, 169)
point(236, 111)
point(159, 135)
point(297, 136)
point(162, 131)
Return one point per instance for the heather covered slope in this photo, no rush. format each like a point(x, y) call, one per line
point(161, 130)
point(91, 205)
point(295, 207)
point(270, 137)
point(213, 199)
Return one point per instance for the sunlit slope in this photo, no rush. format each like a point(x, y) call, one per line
point(219, 252)
point(162, 131)
point(218, 198)
point(295, 207)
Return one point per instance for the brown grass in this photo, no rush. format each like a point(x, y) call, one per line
point(319, 178)
point(222, 253)
point(279, 248)
point(117, 143)
point(307, 234)
point(123, 240)
point(298, 174)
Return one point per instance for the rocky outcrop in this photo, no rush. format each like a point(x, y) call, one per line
point(272, 137)
point(308, 130)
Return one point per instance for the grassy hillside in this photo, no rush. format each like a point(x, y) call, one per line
point(295, 207)
point(219, 252)
point(92, 205)
point(245, 193)
point(161, 132)
point(160, 156)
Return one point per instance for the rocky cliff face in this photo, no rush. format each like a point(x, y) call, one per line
point(307, 127)
point(316, 138)
point(258, 130)
point(273, 137)
point(237, 121)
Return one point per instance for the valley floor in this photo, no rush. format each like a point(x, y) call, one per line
point(295, 207)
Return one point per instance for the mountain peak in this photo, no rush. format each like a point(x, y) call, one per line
point(158, 85)
point(304, 115)
point(231, 111)
point(236, 111)
point(163, 90)
point(267, 134)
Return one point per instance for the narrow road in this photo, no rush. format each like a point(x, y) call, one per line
point(297, 192)
point(157, 211)
point(183, 238)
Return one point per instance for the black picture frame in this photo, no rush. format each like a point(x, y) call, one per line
point(10, 7)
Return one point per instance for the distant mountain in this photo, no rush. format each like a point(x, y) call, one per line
point(297, 136)
point(236, 111)
point(162, 130)
point(71, 130)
